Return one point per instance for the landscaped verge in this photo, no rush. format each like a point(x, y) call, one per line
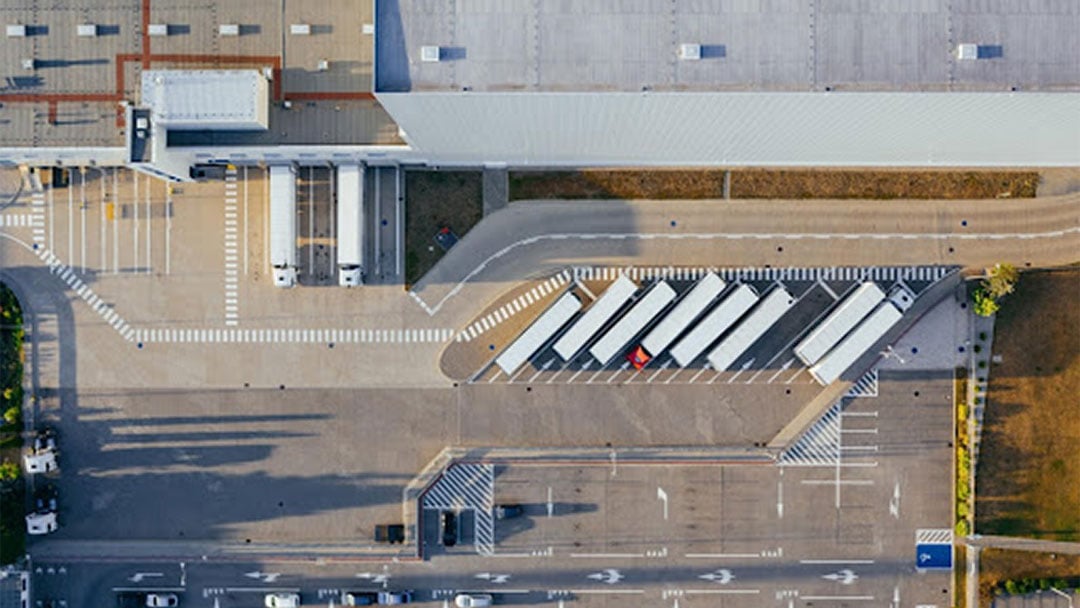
point(12, 490)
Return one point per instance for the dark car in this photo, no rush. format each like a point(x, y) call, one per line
point(449, 528)
point(393, 598)
point(509, 511)
point(390, 533)
point(361, 598)
point(45, 499)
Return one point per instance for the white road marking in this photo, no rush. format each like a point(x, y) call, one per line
point(662, 496)
point(728, 236)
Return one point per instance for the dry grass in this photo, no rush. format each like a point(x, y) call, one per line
point(771, 183)
point(1029, 459)
point(871, 184)
point(999, 565)
point(631, 184)
point(435, 199)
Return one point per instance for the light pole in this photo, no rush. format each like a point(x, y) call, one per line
point(889, 352)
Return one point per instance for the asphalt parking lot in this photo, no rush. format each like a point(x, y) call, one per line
point(769, 360)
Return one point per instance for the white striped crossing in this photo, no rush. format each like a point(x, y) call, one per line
point(294, 336)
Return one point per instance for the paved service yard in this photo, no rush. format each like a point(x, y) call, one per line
point(769, 360)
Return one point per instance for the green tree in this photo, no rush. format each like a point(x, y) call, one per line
point(1001, 280)
point(985, 304)
point(9, 471)
point(12, 414)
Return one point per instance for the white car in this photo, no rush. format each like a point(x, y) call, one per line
point(282, 600)
point(162, 600)
point(472, 600)
point(41, 523)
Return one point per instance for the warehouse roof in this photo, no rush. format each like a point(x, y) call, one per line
point(837, 129)
point(746, 45)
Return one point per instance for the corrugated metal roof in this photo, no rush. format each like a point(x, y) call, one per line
point(776, 129)
point(201, 99)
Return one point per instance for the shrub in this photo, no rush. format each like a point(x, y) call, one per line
point(962, 527)
point(12, 415)
point(9, 471)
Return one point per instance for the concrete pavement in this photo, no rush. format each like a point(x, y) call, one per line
point(531, 238)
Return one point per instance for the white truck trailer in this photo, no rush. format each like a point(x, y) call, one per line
point(350, 225)
point(689, 308)
point(839, 359)
point(530, 341)
point(594, 318)
point(731, 308)
point(640, 314)
point(765, 315)
point(283, 225)
point(829, 332)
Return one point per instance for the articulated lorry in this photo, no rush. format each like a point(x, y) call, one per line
point(350, 225)
point(283, 225)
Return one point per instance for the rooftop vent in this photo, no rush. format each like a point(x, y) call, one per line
point(300, 29)
point(86, 30)
point(429, 54)
point(16, 31)
point(157, 29)
point(967, 52)
point(689, 51)
point(229, 29)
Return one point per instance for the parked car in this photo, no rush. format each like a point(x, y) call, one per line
point(282, 600)
point(162, 600)
point(41, 457)
point(361, 598)
point(473, 600)
point(41, 523)
point(393, 598)
point(45, 499)
point(390, 533)
point(509, 511)
point(449, 528)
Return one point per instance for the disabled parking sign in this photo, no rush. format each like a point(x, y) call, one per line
point(934, 549)
point(933, 557)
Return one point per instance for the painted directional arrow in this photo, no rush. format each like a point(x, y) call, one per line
point(266, 577)
point(609, 576)
point(139, 576)
point(497, 579)
point(723, 576)
point(844, 577)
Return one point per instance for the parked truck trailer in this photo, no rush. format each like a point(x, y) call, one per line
point(765, 315)
point(714, 324)
point(829, 332)
point(632, 323)
point(283, 225)
point(689, 308)
point(601, 310)
point(350, 225)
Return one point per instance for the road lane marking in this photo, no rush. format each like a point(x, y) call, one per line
point(933, 236)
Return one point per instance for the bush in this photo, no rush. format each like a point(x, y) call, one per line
point(982, 336)
point(9, 471)
point(962, 527)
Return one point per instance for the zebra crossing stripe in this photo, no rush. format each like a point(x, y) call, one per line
point(819, 445)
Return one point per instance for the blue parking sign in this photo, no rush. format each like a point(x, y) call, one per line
point(933, 557)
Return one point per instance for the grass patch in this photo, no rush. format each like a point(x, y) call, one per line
point(629, 184)
point(435, 199)
point(1017, 572)
point(12, 531)
point(959, 576)
point(884, 184)
point(962, 512)
point(771, 184)
point(1029, 458)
